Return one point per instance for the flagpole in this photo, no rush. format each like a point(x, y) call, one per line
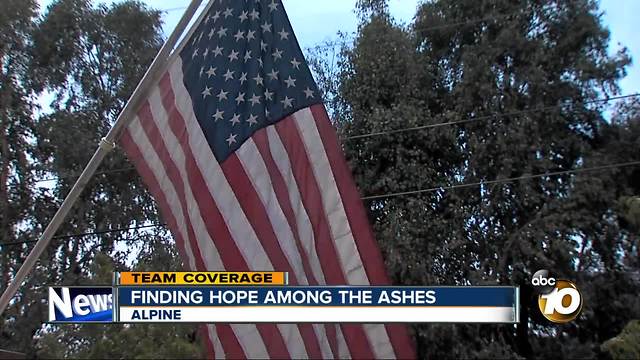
point(106, 145)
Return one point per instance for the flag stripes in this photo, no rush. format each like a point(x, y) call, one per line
point(259, 210)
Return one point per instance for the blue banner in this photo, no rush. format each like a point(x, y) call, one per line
point(317, 296)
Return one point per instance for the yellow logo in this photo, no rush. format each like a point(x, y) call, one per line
point(562, 304)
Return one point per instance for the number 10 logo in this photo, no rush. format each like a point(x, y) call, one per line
point(562, 304)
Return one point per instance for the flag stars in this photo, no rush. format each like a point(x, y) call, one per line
point(235, 120)
point(308, 93)
point(277, 54)
point(290, 82)
point(229, 75)
point(255, 99)
point(222, 95)
point(232, 139)
point(252, 120)
point(268, 95)
point(259, 80)
point(287, 102)
point(206, 92)
point(257, 64)
point(233, 56)
point(219, 115)
point(216, 16)
point(273, 75)
point(283, 35)
point(239, 35)
point(240, 98)
point(295, 64)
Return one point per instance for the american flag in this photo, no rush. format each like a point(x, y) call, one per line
point(237, 148)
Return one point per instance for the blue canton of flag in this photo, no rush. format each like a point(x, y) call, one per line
point(244, 71)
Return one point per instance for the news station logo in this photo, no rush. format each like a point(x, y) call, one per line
point(80, 304)
point(559, 300)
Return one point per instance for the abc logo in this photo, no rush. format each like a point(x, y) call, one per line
point(559, 301)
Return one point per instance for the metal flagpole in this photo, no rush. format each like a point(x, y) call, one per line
point(106, 145)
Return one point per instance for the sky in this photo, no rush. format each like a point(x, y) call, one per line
point(316, 22)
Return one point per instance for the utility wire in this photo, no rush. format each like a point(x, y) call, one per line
point(416, 128)
point(86, 234)
point(173, 9)
point(337, 43)
point(507, 180)
point(383, 196)
point(334, 44)
point(486, 117)
point(73, 175)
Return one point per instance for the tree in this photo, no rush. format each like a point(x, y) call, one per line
point(88, 59)
point(527, 74)
point(17, 187)
point(625, 345)
point(142, 341)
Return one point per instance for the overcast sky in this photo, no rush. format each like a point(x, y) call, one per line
point(317, 21)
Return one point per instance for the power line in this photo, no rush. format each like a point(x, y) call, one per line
point(173, 9)
point(383, 196)
point(501, 181)
point(334, 44)
point(416, 128)
point(485, 117)
point(71, 175)
point(86, 234)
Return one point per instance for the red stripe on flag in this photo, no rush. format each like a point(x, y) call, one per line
point(229, 253)
point(147, 175)
point(361, 229)
point(230, 342)
point(153, 134)
point(208, 342)
point(256, 213)
point(135, 156)
point(312, 199)
point(280, 188)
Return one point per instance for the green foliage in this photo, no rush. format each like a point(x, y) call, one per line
point(627, 344)
point(528, 70)
point(140, 341)
point(631, 210)
point(87, 59)
point(537, 66)
point(17, 187)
